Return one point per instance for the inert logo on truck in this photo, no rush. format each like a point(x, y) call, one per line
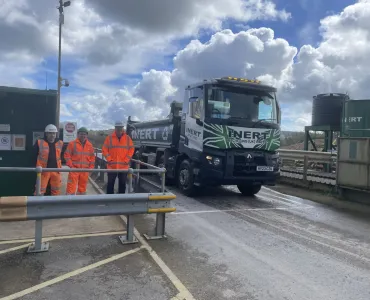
point(154, 134)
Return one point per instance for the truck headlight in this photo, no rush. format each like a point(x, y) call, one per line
point(216, 161)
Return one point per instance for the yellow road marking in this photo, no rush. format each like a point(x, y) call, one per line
point(14, 248)
point(183, 291)
point(180, 296)
point(61, 237)
point(69, 275)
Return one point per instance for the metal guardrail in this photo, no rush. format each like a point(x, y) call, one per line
point(39, 207)
point(100, 162)
point(314, 156)
point(307, 170)
point(304, 165)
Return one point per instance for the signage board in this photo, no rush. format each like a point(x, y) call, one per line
point(36, 135)
point(69, 131)
point(5, 127)
point(19, 142)
point(5, 142)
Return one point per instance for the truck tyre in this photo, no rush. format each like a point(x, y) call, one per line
point(249, 190)
point(185, 178)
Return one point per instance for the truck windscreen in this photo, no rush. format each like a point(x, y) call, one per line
point(236, 103)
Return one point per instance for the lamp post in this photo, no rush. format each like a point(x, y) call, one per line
point(61, 22)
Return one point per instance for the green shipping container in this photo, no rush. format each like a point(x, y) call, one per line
point(23, 112)
point(356, 118)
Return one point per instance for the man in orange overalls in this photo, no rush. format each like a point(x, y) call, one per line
point(48, 152)
point(118, 150)
point(79, 155)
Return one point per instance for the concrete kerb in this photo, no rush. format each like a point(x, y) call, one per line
point(184, 293)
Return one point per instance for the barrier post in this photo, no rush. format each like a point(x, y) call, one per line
point(38, 245)
point(130, 237)
point(163, 175)
point(305, 168)
point(160, 220)
point(137, 179)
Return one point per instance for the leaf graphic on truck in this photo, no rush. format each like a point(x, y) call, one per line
point(272, 141)
point(217, 136)
point(226, 137)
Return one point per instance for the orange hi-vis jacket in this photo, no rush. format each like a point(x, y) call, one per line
point(79, 156)
point(118, 152)
point(42, 158)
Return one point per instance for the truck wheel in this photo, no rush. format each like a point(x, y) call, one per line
point(185, 178)
point(249, 190)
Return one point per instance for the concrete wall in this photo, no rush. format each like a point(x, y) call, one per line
point(353, 170)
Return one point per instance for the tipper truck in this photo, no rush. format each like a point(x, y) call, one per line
point(225, 132)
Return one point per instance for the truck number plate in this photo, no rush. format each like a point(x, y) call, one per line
point(265, 168)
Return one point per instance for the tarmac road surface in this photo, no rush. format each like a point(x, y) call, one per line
point(222, 245)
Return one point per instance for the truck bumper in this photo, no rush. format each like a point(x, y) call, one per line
point(217, 177)
point(236, 169)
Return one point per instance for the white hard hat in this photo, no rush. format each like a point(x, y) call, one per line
point(51, 128)
point(119, 124)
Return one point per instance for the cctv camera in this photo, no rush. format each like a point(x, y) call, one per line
point(66, 82)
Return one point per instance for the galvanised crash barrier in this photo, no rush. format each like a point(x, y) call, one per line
point(39, 208)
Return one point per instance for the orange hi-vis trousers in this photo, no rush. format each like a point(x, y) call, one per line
point(77, 180)
point(55, 182)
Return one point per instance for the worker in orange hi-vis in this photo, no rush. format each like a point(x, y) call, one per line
point(79, 155)
point(48, 152)
point(118, 150)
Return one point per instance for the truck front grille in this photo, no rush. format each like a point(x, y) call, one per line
point(244, 166)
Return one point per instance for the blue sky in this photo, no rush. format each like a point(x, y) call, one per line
point(93, 36)
point(306, 15)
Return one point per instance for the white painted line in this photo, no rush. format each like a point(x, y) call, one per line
point(266, 195)
point(69, 275)
point(237, 210)
point(278, 193)
point(62, 237)
point(183, 291)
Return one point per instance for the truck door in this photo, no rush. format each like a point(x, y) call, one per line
point(194, 119)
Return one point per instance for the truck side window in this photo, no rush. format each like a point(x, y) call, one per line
point(196, 103)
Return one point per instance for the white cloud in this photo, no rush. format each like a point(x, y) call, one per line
point(120, 38)
point(185, 18)
point(117, 37)
point(338, 64)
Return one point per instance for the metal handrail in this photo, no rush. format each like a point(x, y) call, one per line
point(67, 170)
point(40, 207)
point(134, 160)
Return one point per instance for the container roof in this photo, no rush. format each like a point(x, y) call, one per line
point(17, 90)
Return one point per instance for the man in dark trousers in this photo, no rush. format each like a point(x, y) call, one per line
point(118, 150)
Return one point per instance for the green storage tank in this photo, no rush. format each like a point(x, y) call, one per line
point(23, 113)
point(356, 118)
